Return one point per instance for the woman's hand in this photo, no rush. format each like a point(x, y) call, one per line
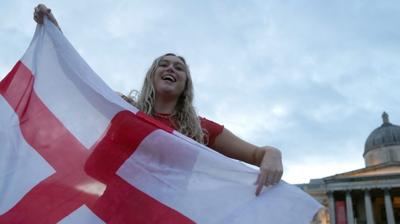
point(40, 11)
point(271, 169)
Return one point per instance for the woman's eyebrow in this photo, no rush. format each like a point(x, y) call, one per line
point(179, 63)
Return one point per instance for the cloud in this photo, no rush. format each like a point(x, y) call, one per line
point(297, 172)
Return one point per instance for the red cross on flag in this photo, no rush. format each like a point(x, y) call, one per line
point(72, 151)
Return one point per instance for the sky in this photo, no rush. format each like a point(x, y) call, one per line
point(311, 78)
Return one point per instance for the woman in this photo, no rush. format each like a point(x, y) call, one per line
point(167, 95)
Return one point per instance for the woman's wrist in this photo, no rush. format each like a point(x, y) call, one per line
point(261, 152)
point(257, 156)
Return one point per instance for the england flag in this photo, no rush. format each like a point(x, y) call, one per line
point(72, 151)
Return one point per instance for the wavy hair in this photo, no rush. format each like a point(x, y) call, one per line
point(185, 116)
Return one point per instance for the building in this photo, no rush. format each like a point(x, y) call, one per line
point(368, 195)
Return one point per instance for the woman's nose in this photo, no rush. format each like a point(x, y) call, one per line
point(170, 68)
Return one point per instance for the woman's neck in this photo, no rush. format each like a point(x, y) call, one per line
point(163, 106)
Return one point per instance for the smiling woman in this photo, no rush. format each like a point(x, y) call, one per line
point(167, 95)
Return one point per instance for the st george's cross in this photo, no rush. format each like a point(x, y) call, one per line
point(77, 169)
point(72, 151)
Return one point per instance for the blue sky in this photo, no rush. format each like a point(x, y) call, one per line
point(309, 77)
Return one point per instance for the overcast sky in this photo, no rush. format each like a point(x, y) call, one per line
point(309, 77)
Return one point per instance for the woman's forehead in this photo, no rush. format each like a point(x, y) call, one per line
point(172, 58)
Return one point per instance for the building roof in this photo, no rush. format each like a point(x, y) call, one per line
point(387, 134)
point(379, 176)
point(384, 169)
point(386, 175)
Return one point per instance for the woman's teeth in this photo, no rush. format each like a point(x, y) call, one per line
point(169, 78)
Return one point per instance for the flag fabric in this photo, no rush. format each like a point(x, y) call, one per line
point(72, 151)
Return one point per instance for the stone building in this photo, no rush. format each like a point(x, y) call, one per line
point(368, 195)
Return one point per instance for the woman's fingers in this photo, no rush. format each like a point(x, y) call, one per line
point(276, 176)
point(270, 179)
point(279, 176)
point(36, 14)
point(39, 12)
point(260, 184)
point(273, 178)
point(267, 178)
point(258, 180)
point(42, 8)
point(35, 17)
point(262, 177)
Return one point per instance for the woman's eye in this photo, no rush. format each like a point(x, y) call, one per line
point(162, 64)
point(179, 68)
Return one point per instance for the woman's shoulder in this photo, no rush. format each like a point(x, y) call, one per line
point(212, 128)
point(207, 122)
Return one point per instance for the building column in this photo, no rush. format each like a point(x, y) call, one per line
point(388, 207)
point(368, 208)
point(349, 208)
point(331, 205)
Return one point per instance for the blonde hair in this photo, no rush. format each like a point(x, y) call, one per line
point(185, 116)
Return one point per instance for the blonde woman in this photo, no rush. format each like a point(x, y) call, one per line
point(167, 96)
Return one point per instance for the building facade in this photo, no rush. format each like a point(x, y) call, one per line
point(369, 195)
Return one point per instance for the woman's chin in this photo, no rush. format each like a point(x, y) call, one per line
point(168, 92)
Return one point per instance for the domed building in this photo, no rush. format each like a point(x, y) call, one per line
point(383, 144)
point(369, 195)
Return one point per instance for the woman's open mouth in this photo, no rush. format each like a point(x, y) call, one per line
point(168, 77)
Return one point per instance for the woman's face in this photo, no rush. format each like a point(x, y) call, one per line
point(170, 77)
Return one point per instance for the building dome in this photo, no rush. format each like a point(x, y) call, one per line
point(382, 141)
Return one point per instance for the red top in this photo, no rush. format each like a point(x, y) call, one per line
point(213, 129)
